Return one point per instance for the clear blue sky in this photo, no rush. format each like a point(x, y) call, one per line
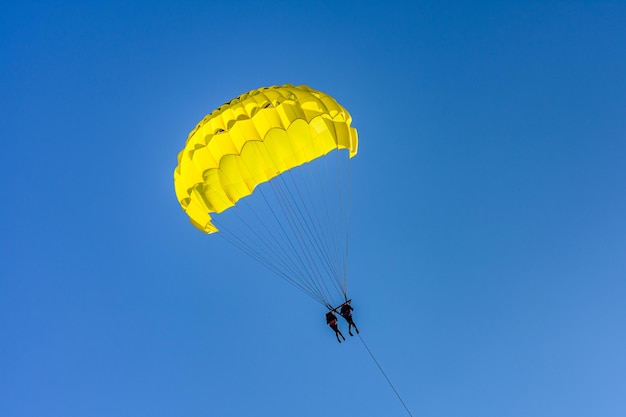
point(488, 251)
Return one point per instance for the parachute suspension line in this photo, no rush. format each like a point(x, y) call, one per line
point(322, 235)
point(312, 274)
point(327, 217)
point(238, 243)
point(306, 273)
point(332, 188)
point(295, 223)
point(346, 263)
point(314, 233)
point(343, 224)
point(326, 209)
point(333, 185)
point(259, 253)
point(331, 221)
point(385, 375)
point(264, 262)
point(301, 267)
point(286, 270)
point(311, 250)
point(264, 257)
point(272, 249)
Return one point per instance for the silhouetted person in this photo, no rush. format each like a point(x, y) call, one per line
point(346, 313)
point(331, 320)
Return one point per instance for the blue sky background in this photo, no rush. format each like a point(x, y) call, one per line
point(488, 234)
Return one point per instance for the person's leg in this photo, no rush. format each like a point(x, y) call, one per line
point(337, 332)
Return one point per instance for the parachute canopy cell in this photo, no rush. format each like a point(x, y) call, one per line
point(252, 139)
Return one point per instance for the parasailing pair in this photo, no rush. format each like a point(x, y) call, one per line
point(269, 171)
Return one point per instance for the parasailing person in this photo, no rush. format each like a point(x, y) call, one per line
point(346, 312)
point(331, 320)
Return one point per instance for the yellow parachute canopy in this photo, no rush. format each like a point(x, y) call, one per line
point(251, 140)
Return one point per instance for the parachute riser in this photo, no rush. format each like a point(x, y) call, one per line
point(334, 310)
